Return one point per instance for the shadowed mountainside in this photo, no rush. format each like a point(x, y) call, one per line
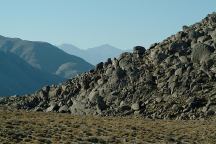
point(45, 57)
point(18, 77)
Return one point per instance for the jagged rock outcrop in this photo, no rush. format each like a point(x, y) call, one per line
point(173, 79)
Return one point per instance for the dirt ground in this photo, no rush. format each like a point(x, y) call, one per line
point(38, 127)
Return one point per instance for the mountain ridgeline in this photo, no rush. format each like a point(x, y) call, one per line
point(93, 55)
point(28, 65)
point(173, 79)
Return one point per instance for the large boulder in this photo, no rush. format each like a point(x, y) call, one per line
point(213, 35)
point(201, 53)
point(139, 50)
point(178, 46)
point(194, 35)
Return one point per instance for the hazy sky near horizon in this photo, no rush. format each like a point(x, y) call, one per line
point(89, 23)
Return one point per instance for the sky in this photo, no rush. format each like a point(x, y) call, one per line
point(89, 23)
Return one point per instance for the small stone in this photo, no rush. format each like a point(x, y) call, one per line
point(185, 28)
point(63, 109)
point(158, 99)
point(53, 107)
point(204, 110)
point(137, 112)
point(210, 112)
point(46, 89)
point(175, 107)
point(38, 109)
point(135, 106)
point(122, 103)
point(178, 72)
point(183, 59)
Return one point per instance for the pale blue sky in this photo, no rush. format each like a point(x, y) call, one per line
point(88, 23)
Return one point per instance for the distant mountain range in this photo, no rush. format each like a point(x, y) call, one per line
point(93, 55)
point(28, 65)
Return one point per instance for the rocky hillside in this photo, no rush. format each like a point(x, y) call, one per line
point(18, 77)
point(173, 79)
point(45, 57)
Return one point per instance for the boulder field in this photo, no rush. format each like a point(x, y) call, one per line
point(173, 79)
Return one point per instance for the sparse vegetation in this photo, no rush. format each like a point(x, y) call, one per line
point(38, 127)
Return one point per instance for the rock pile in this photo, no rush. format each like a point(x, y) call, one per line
point(173, 79)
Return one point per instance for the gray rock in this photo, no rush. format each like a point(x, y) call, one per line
point(38, 109)
point(46, 89)
point(53, 107)
point(180, 35)
point(194, 34)
point(172, 86)
point(197, 102)
point(178, 46)
point(158, 99)
point(115, 63)
point(101, 103)
point(139, 50)
point(200, 53)
point(69, 102)
point(204, 38)
point(77, 108)
point(135, 106)
point(179, 72)
point(175, 107)
point(210, 113)
point(93, 95)
point(185, 28)
point(213, 35)
point(108, 62)
point(109, 71)
point(63, 109)
point(99, 66)
point(54, 92)
point(183, 59)
point(204, 109)
point(119, 73)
